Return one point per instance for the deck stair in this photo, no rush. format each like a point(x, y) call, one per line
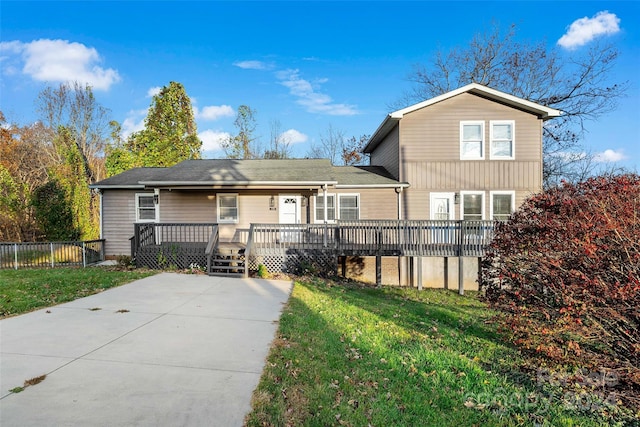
point(228, 260)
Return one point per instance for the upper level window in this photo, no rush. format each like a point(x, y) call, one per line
point(472, 140)
point(502, 141)
point(227, 208)
point(502, 205)
point(146, 208)
point(472, 206)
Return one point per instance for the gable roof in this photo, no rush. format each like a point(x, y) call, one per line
point(390, 121)
point(260, 173)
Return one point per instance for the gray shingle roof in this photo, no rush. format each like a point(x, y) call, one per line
point(231, 172)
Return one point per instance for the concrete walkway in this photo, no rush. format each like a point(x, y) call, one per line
point(167, 350)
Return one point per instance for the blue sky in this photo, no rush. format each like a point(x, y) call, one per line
point(308, 65)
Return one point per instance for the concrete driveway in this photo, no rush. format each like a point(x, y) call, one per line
point(167, 350)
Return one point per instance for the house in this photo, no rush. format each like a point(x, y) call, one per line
point(471, 154)
point(237, 193)
point(474, 153)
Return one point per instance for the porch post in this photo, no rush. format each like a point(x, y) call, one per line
point(378, 271)
point(324, 198)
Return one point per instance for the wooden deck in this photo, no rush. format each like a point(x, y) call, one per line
point(286, 246)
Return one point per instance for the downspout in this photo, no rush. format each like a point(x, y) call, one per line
point(399, 195)
point(101, 217)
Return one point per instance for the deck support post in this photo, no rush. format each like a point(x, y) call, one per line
point(460, 275)
point(378, 271)
point(419, 273)
point(446, 272)
point(479, 271)
point(343, 265)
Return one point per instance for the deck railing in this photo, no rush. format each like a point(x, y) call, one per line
point(377, 237)
point(171, 245)
point(153, 234)
point(51, 254)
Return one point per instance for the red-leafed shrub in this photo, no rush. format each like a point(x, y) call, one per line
point(566, 271)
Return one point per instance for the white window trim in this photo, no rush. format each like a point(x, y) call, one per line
point(336, 203)
point(315, 209)
point(482, 141)
point(227, 221)
point(510, 193)
point(340, 195)
point(448, 195)
point(513, 139)
point(484, 201)
point(157, 208)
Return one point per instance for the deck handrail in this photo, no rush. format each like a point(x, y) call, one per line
point(212, 244)
point(447, 238)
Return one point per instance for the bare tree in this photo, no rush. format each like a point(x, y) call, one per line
point(330, 147)
point(579, 83)
point(335, 146)
point(279, 143)
point(74, 107)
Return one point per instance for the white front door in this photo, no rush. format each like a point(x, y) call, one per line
point(289, 209)
point(441, 207)
point(289, 213)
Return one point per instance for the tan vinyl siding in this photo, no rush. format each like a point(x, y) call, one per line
point(375, 203)
point(430, 147)
point(118, 217)
point(387, 153)
point(187, 206)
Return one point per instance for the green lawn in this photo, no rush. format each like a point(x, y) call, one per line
point(25, 290)
point(347, 355)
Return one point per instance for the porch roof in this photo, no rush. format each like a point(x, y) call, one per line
point(262, 173)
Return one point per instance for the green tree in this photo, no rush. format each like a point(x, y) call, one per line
point(579, 83)
point(241, 146)
point(54, 212)
point(169, 137)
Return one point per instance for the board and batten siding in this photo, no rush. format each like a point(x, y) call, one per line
point(430, 153)
point(386, 153)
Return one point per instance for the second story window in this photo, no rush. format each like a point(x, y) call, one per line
point(472, 140)
point(502, 141)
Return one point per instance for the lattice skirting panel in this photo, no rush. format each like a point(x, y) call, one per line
point(172, 255)
point(296, 261)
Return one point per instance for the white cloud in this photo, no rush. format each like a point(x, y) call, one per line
point(253, 65)
point(62, 61)
point(293, 136)
point(583, 30)
point(610, 156)
point(212, 139)
point(213, 112)
point(134, 122)
point(308, 97)
point(153, 91)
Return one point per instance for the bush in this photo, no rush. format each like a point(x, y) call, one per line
point(263, 273)
point(565, 269)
